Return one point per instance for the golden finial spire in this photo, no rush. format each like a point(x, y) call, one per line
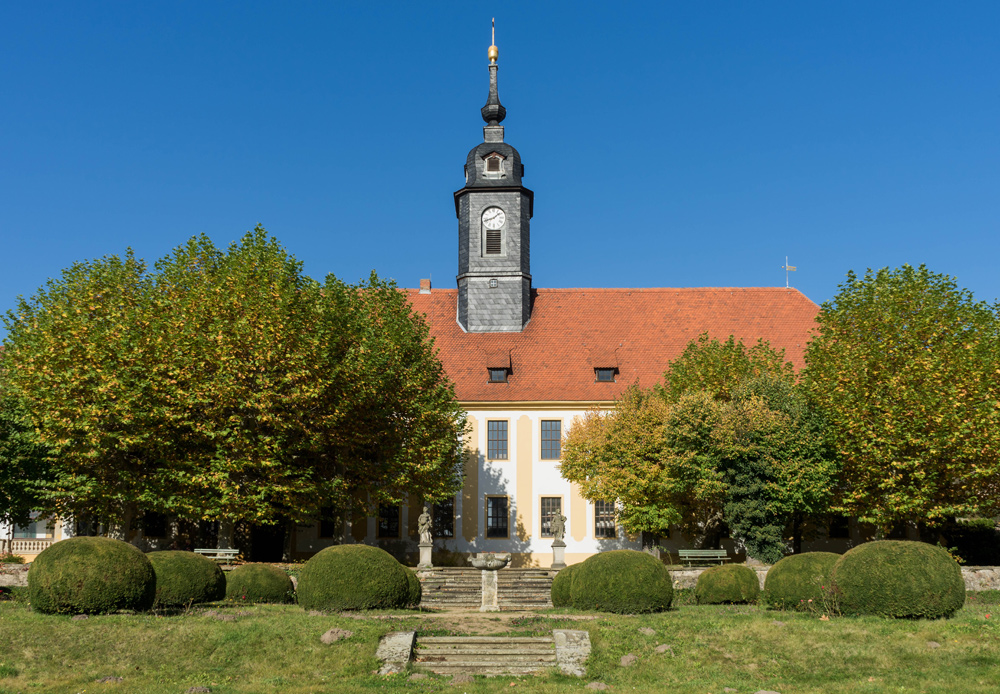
point(494, 52)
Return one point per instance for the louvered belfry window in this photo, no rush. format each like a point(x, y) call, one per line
point(493, 164)
point(493, 242)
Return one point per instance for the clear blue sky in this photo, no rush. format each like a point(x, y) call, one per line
point(668, 144)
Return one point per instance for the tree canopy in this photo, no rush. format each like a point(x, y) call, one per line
point(229, 385)
point(906, 368)
point(718, 367)
point(23, 466)
point(728, 437)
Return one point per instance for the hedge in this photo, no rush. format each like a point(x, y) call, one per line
point(562, 585)
point(353, 577)
point(625, 581)
point(91, 575)
point(896, 578)
point(730, 583)
point(186, 578)
point(799, 581)
point(259, 583)
point(416, 590)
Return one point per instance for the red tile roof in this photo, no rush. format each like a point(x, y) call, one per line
point(553, 359)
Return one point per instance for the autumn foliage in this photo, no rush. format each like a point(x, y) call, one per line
point(906, 368)
point(228, 385)
point(708, 450)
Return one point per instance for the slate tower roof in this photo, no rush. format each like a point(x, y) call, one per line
point(494, 213)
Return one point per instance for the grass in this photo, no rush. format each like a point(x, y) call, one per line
point(276, 648)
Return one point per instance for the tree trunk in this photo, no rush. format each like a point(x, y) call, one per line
point(226, 529)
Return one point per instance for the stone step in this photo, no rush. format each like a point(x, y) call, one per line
point(485, 655)
point(484, 669)
point(488, 656)
point(485, 640)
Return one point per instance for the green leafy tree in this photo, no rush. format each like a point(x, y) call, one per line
point(775, 459)
point(732, 441)
point(718, 367)
point(906, 367)
point(646, 456)
point(23, 466)
point(228, 385)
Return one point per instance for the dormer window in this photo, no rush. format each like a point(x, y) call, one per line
point(498, 365)
point(605, 375)
point(493, 165)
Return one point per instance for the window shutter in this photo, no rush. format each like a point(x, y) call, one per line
point(493, 239)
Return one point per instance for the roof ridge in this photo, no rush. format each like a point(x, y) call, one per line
point(637, 289)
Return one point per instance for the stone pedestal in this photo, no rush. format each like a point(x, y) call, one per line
point(491, 596)
point(425, 555)
point(558, 554)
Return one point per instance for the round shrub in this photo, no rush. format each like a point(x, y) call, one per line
point(799, 578)
point(416, 590)
point(561, 585)
point(186, 578)
point(259, 583)
point(729, 583)
point(353, 577)
point(91, 575)
point(623, 581)
point(895, 578)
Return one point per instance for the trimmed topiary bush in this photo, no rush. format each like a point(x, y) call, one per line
point(91, 575)
point(416, 590)
point(186, 578)
point(561, 587)
point(729, 583)
point(624, 581)
point(259, 583)
point(353, 577)
point(798, 579)
point(895, 578)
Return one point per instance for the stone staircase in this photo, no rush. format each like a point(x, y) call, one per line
point(525, 589)
point(484, 655)
point(461, 588)
point(451, 588)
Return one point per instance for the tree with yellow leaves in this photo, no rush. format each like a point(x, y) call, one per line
point(906, 368)
point(227, 385)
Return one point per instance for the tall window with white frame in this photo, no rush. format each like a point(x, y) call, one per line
point(496, 440)
point(551, 505)
point(551, 439)
point(604, 520)
point(497, 516)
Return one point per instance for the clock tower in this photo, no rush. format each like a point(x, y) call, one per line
point(494, 212)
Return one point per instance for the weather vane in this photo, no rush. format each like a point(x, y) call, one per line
point(787, 268)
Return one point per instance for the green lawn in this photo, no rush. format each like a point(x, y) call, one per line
point(277, 649)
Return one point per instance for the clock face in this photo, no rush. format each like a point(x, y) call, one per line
point(493, 218)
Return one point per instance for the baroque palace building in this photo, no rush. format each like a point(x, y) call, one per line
point(526, 362)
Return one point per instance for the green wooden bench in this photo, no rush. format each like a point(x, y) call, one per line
point(219, 555)
point(703, 556)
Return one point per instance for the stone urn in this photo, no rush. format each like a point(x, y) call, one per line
point(490, 561)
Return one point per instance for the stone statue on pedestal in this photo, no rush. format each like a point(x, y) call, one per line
point(424, 527)
point(558, 527)
point(424, 524)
